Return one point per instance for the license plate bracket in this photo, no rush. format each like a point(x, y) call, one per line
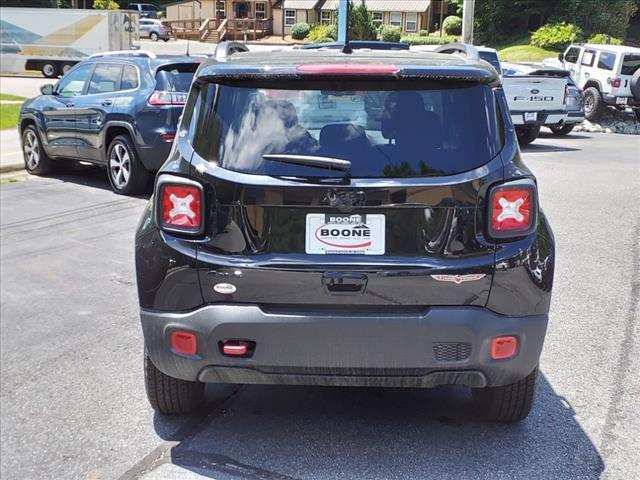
point(345, 234)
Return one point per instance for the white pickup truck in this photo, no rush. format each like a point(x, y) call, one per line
point(535, 98)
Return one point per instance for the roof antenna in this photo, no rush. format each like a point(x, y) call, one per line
point(188, 43)
point(343, 25)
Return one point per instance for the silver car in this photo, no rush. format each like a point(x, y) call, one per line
point(154, 29)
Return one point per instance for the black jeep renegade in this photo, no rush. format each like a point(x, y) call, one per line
point(359, 219)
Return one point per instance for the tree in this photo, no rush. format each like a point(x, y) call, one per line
point(105, 5)
point(361, 24)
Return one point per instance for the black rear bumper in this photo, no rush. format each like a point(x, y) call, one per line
point(435, 346)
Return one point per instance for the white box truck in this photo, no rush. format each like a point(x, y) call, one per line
point(54, 39)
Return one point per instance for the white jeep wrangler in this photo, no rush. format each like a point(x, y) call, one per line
point(608, 74)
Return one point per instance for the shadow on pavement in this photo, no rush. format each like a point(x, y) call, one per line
point(89, 176)
point(537, 147)
point(277, 432)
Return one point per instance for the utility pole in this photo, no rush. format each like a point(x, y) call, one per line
point(343, 21)
point(468, 14)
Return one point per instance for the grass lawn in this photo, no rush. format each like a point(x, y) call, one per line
point(525, 53)
point(6, 96)
point(520, 50)
point(9, 111)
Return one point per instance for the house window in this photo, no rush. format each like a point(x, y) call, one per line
point(377, 18)
point(326, 17)
point(289, 17)
point(411, 24)
point(396, 19)
point(261, 11)
point(220, 12)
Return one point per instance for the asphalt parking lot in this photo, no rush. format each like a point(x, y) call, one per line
point(72, 396)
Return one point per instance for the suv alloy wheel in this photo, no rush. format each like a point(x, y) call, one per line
point(126, 173)
point(594, 106)
point(36, 160)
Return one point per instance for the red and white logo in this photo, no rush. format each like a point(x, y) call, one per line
point(458, 279)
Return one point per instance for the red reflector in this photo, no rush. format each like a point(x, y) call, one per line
point(503, 347)
point(181, 207)
point(511, 209)
point(167, 136)
point(349, 69)
point(616, 82)
point(235, 348)
point(184, 342)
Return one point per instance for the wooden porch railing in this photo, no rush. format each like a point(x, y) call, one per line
point(239, 27)
point(188, 29)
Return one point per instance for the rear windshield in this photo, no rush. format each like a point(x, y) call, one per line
point(383, 133)
point(630, 63)
point(175, 78)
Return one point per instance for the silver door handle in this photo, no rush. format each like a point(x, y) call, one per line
point(69, 104)
point(106, 103)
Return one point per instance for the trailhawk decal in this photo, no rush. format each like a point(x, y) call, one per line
point(345, 234)
point(458, 279)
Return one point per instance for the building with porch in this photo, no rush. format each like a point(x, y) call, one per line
point(286, 13)
point(410, 15)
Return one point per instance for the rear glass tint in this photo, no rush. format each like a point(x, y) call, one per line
point(383, 133)
point(630, 64)
point(175, 78)
point(492, 58)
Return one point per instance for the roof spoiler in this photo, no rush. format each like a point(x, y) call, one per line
point(466, 49)
point(551, 72)
point(226, 49)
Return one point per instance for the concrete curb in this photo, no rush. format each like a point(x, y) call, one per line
point(12, 167)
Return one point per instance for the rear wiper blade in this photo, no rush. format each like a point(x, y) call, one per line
point(311, 161)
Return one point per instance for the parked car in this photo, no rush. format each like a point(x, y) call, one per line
point(408, 252)
point(535, 99)
point(119, 110)
point(608, 74)
point(155, 29)
point(145, 10)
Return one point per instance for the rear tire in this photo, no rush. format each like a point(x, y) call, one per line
point(508, 403)
point(66, 67)
point(563, 130)
point(36, 160)
point(171, 396)
point(127, 175)
point(637, 112)
point(50, 69)
point(527, 133)
point(594, 105)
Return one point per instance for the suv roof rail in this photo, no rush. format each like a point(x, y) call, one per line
point(128, 53)
point(226, 49)
point(468, 50)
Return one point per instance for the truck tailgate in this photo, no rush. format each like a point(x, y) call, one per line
point(529, 93)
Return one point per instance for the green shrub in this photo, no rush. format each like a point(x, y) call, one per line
point(105, 5)
point(418, 40)
point(603, 38)
point(317, 33)
point(300, 31)
point(332, 31)
point(423, 33)
point(389, 33)
point(556, 36)
point(452, 25)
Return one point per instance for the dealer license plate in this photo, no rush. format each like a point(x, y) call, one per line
point(530, 116)
point(621, 100)
point(331, 233)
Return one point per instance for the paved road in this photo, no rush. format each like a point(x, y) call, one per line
point(72, 397)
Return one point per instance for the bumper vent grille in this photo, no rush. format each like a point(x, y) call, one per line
point(451, 352)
